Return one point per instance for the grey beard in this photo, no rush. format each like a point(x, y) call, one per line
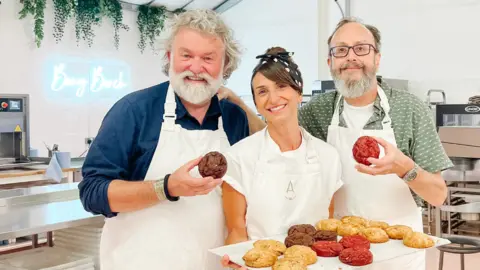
point(351, 88)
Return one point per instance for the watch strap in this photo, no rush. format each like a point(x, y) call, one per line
point(412, 174)
point(159, 189)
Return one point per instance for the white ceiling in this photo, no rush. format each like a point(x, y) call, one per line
point(174, 4)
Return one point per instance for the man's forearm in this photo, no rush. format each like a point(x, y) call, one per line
point(430, 187)
point(236, 236)
point(254, 122)
point(127, 196)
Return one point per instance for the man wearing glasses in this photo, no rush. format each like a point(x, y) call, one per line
point(408, 170)
point(400, 122)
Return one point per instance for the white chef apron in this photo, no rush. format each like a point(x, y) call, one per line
point(170, 235)
point(284, 193)
point(381, 197)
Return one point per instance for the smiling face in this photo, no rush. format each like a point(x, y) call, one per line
point(196, 65)
point(353, 69)
point(277, 102)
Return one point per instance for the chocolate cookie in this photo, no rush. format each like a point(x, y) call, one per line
point(325, 236)
point(213, 164)
point(302, 228)
point(299, 238)
point(364, 148)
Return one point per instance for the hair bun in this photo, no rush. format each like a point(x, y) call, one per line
point(275, 50)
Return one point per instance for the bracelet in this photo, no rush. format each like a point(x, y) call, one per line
point(165, 189)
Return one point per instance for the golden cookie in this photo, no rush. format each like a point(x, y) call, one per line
point(398, 231)
point(375, 235)
point(330, 224)
point(289, 264)
point(274, 246)
point(354, 220)
point(259, 258)
point(378, 224)
point(349, 229)
point(301, 252)
point(418, 240)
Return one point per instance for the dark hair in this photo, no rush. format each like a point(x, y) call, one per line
point(277, 71)
point(375, 32)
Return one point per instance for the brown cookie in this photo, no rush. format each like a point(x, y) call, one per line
point(325, 236)
point(259, 258)
point(290, 264)
point(398, 231)
point(302, 228)
point(330, 224)
point(418, 240)
point(213, 164)
point(298, 238)
point(301, 252)
point(274, 246)
point(375, 235)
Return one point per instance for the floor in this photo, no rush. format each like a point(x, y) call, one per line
point(452, 261)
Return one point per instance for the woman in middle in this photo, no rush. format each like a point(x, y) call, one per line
point(280, 176)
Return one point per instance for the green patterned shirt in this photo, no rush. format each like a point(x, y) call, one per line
point(412, 122)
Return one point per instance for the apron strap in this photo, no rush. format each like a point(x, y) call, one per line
point(387, 121)
point(169, 115)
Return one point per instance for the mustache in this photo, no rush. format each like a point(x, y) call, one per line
point(202, 75)
point(351, 65)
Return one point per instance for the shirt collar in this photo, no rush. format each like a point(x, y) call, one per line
point(213, 110)
point(377, 108)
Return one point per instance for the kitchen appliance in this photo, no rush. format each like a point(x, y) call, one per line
point(457, 115)
point(458, 127)
point(14, 131)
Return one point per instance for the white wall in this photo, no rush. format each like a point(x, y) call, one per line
point(432, 43)
point(259, 25)
point(23, 69)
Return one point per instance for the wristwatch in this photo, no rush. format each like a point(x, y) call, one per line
point(412, 174)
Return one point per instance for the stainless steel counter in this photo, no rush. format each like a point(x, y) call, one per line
point(35, 219)
point(9, 193)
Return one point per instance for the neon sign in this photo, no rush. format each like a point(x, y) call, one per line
point(80, 79)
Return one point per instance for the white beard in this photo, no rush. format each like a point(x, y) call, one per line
point(194, 93)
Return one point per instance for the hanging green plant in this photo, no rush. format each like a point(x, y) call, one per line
point(37, 9)
point(88, 14)
point(150, 23)
point(113, 10)
point(63, 11)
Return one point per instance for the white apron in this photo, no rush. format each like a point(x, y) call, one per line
point(285, 194)
point(170, 235)
point(382, 197)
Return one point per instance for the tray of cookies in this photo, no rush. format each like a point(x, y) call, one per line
point(347, 243)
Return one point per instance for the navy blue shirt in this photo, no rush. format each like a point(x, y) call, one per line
point(128, 137)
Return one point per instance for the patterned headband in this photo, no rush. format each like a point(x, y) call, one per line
point(282, 57)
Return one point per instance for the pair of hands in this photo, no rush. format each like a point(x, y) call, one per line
point(394, 161)
point(181, 183)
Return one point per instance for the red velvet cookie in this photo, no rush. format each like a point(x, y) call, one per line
point(365, 147)
point(356, 256)
point(327, 248)
point(355, 241)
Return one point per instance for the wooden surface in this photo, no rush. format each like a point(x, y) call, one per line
point(20, 173)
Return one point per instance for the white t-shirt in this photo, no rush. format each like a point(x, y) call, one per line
point(243, 158)
point(356, 117)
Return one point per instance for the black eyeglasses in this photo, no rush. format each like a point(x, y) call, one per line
point(359, 50)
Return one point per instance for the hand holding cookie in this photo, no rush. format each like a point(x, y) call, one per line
point(181, 183)
point(394, 161)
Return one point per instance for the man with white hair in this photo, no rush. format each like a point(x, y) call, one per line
point(159, 134)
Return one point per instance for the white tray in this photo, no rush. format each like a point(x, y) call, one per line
point(381, 252)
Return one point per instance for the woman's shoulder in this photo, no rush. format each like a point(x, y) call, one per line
point(248, 145)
